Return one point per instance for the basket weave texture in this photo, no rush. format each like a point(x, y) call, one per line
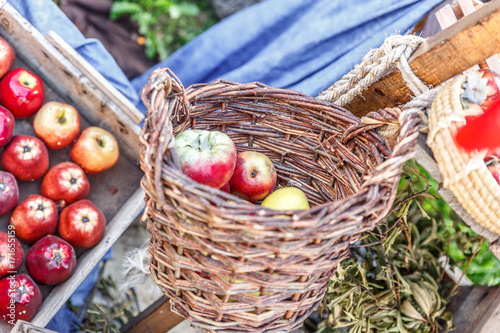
point(467, 177)
point(230, 266)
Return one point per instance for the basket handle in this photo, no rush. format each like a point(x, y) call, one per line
point(168, 108)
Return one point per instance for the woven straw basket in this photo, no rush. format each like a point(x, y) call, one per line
point(467, 178)
point(230, 266)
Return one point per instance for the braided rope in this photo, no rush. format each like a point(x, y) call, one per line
point(394, 52)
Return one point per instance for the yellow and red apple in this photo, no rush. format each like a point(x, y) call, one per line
point(96, 150)
point(254, 176)
point(57, 124)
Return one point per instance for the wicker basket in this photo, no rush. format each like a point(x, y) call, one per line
point(467, 178)
point(230, 266)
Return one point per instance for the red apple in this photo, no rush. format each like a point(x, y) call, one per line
point(21, 92)
point(11, 252)
point(26, 157)
point(226, 188)
point(254, 176)
point(206, 157)
point(57, 124)
point(65, 181)
point(20, 298)
point(6, 126)
point(34, 217)
point(9, 192)
point(96, 150)
point(51, 260)
point(7, 57)
point(82, 224)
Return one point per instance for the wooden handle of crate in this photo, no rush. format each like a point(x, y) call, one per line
point(470, 41)
point(95, 77)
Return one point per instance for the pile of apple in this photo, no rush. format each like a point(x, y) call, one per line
point(210, 158)
point(481, 96)
point(58, 218)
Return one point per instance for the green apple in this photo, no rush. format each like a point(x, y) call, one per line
point(286, 198)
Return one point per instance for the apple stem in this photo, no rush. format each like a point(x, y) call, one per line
point(85, 219)
point(26, 149)
point(253, 174)
point(63, 119)
point(100, 142)
point(40, 207)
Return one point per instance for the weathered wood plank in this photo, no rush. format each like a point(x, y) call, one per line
point(95, 77)
point(158, 318)
point(470, 41)
point(475, 309)
point(25, 327)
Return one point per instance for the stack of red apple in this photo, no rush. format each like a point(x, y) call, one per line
point(209, 157)
point(58, 218)
point(482, 96)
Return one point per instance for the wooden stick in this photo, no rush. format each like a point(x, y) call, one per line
point(95, 77)
point(466, 43)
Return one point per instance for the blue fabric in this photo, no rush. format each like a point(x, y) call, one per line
point(293, 44)
point(304, 45)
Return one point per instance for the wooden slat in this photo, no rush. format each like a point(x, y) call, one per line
point(25, 327)
point(470, 41)
point(476, 309)
point(95, 77)
point(158, 318)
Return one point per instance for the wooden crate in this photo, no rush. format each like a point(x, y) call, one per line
point(70, 79)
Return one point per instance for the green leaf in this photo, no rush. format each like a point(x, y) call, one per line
point(120, 8)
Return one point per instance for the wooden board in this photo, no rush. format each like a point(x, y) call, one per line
point(116, 191)
point(25, 327)
point(157, 318)
point(476, 309)
point(468, 42)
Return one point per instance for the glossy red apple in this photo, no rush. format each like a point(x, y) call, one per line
point(226, 188)
point(51, 260)
point(82, 224)
point(11, 253)
point(9, 192)
point(21, 92)
point(20, 298)
point(206, 157)
point(26, 157)
point(57, 124)
point(6, 126)
point(254, 176)
point(34, 218)
point(96, 150)
point(65, 181)
point(7, 57)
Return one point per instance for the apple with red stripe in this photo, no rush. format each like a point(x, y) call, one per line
point(65, 181)
point(7, 123)
point(9, 192)
point(7, 57)
point(34, 218)
point(26, 157)
point(206, 157)
point(51, 260)
point(20, 298)
point(11, 252)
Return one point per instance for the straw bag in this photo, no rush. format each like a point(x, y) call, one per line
point(466, 176)
point(230, 266)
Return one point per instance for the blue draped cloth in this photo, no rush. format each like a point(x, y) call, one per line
point(295, 44)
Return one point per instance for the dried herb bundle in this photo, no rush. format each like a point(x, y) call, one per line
point(393, 281)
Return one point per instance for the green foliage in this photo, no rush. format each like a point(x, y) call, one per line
point(394, 280)
point(166, 25)
point(117, 309)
